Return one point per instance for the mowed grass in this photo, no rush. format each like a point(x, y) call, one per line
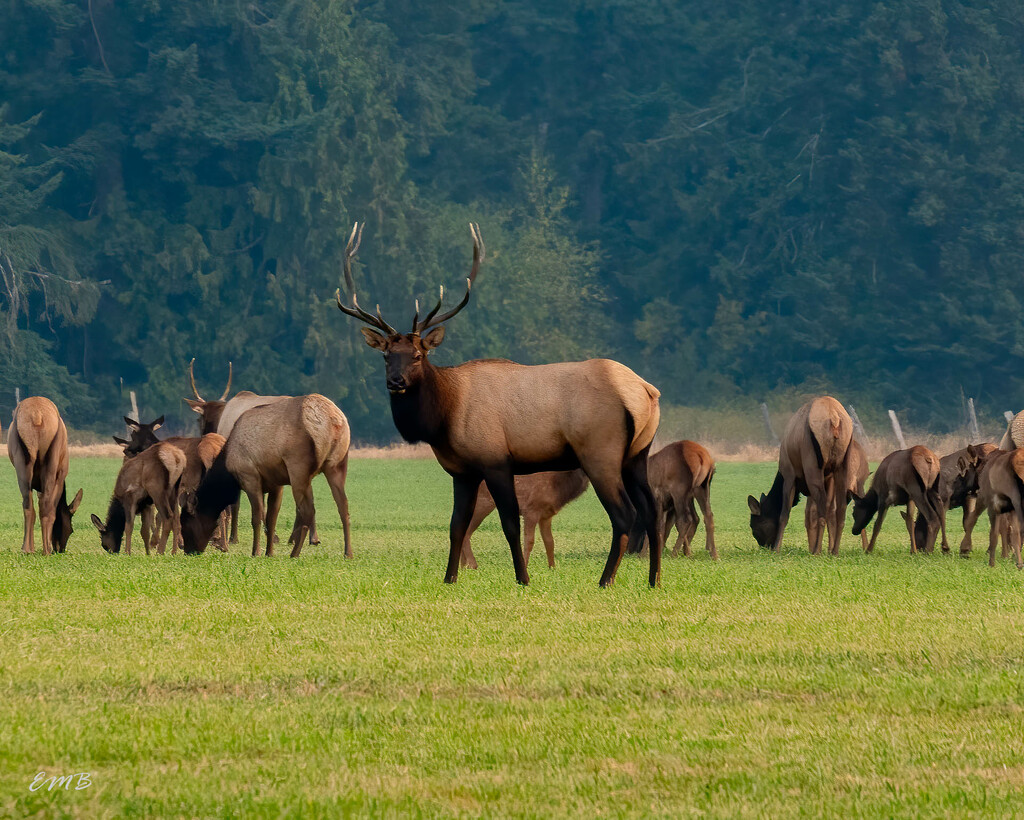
point(763, 685)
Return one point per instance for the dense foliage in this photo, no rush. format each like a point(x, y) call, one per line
point(741, 200)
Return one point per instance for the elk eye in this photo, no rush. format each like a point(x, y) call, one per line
point(417, 356)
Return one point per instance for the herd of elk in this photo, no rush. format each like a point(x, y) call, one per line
point(489, 420)
point(286, 442)
point(812, 461)
point(541, 496)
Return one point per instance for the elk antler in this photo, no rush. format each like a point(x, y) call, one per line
point(377, 321)
point(192, 380)
point(478, 256)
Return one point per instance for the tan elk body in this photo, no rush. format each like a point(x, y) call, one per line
point(1001, 491)
point(37, 444)
point(490, 420)
point(151, 477)
point(541, 497)
point(812, 462)
point(908, 477)
point(680, 473)
point(283, 443)
point(857, 472)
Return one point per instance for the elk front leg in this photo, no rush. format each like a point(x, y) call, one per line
point(681, 509)
point(274, 497)
point(255, 497)
point(465, 488)
point(993, 537)
point(529, 535)
point(234, 522)
point(483, 508)
point(970, 519)
point(788, 495)
point(883, 508)
point(703, 496)
point(503, 490)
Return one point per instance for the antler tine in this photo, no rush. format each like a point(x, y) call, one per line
point(416, 328)
point(192, 379)
point(416, 316)
point(478, 256)
point(351, 247)
point(228, 388)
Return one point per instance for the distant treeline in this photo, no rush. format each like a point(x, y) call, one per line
point(741, 200)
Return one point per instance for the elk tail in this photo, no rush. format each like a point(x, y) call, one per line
point(173, 460)
point(645, 420)
point(926, 467)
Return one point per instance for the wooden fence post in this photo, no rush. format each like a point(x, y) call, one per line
point(858, 428)
point(972, 421)
point(897, 430)
point(768, 424)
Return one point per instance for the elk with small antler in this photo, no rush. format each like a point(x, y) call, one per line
point(37, 443)
point(489, 420)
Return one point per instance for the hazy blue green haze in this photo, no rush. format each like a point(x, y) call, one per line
point(740, 200)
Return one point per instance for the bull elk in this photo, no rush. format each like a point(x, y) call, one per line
point(489, 420)
point(37, 443)
point(680, 473)
point(152, 477)
point(541, 497)
point(220, 415)
point(908, 477)
point(812, 461)
point(285, 442)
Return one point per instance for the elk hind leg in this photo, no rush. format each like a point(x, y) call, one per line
point(634, 478)
point(304, 515)
point(28, 508)
point(612, 494)
point(482, 508)
point(274, 498)
point(703, 496)
point(549, 541)
point(336, 476)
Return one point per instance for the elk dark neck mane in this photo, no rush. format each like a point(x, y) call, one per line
point(58, 522)
point(116, 519)
point(419, 412)
point(870, 501)
point(773, 501)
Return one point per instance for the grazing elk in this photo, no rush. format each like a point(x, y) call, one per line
point(908, 477)
point(541, 496)
point(958, 487)
point(200, 454)
point(1000, 489)
point(681, 473)
point(152, 477)
point(812, 461)
point(37, 443)
point(489, 420)
point(286, 442)
point(219, 416)
point(857, 472)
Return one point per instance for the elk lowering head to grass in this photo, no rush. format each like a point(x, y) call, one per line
point(1001, 492)
point(812, 461)
point(541, 496)
point(284, 443)
point(37, 443)
point(908, 477)
point(151, 477)
point(958, 487)
point(489, 420)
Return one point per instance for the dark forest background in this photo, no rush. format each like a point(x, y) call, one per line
point(741, 200)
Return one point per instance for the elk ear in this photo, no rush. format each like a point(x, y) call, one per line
point(77, 500)
point(131, 423)
point(374, 339)
point(121, 441)
point(191, 501)
point(156, 425)
point(197, 406)
point(962, 465)
point(856, 499)
point(754, 505)
point(433, 339)
point(97, 523)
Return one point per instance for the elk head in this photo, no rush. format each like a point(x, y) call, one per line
point(864, 509)
point(209, 411)
point(763, 524)
point(142, 437)
point(405, 354)
point(62, 528)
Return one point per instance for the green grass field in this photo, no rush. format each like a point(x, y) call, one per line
point(222, 685)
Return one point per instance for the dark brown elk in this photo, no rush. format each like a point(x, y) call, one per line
point(219, 416)
point(812, 462)
point(680, 473)
point(490, 420)
point(284, 443)
point(152, 477)
point(541, 496)
point(908, 477)
point(37, 443)
point(857, 472)
point(1000, 491)
point(958, 487)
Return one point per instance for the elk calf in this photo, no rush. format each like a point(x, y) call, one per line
point(812, 461)
point(152, 477)
point(908, 477)
point(37, 444)
point(679, 474)
point(287, 442)
point(541, 496)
